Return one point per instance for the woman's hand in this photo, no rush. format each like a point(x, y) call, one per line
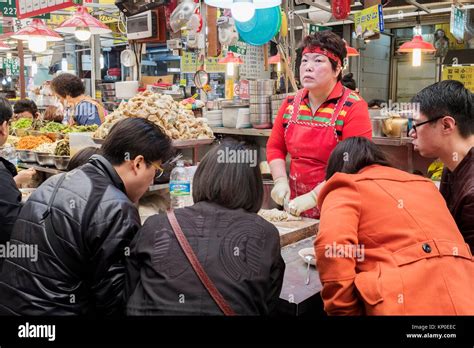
point(281, 190)
point(24, 176)
point(302, 203)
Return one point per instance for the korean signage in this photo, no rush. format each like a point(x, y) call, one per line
point(31, 8)
point(464, 74)
point(189, 64)
point(239, 48)
point(8, 9)
point(313, 28)
point(457, 22)
point(369, 21)
point(10, 66)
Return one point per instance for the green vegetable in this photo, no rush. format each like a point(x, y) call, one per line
point(52, 127)
point(22, 123)
point(63, 149)
point(81, 129)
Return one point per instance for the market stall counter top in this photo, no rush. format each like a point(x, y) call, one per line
point(294, 231)
point(297, 297)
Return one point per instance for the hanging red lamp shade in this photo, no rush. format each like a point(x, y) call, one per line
point(38, 35)
point(274, 59)
point(351, 51)
point(416, 43)
point(83, 25)
point(341, 8)
point(230, 58)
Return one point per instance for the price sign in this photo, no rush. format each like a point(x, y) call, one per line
point(8, 9)
point(464, 74)
point(31, 8)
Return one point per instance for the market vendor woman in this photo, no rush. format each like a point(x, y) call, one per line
point(310, 125)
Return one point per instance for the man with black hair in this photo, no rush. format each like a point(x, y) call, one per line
point(10, 197)
point(445, 130)
point(82, 222)
point(25, 108)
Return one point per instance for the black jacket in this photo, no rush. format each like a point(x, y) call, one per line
point(10, 200)
point(240, 252)
point(80, 263)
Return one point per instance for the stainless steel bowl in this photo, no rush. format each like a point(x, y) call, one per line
point(61, 162)
point(26, 156)
point(377, 127)
point(44, 159)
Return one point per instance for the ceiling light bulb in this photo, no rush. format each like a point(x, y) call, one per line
point(34, 68)
point(230, 69)
point(64, 64)
point(37, 44)
point(242, 11)
point(9, 55)
point(102, 61)
point(416, 57)
point(4, 82)
point(9, 79)
point(82, 33)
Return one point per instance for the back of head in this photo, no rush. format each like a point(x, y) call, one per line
point(448, 98)
point(82, 157)
point(229, 175)
point(133, 137)
point(348, 81)
point(68, 85)
point(354, 154)
point(5, 110)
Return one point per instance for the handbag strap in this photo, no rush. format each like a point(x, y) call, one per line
point(201, 273)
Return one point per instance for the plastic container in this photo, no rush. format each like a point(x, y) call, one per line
point(180, 187)
point(78, 141)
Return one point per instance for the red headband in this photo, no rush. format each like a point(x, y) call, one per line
point(324, 52)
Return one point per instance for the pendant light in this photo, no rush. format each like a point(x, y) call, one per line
point(37, 34)
point(417, 45)
point(82, 24)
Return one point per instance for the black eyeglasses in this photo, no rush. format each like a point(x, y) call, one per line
point(425, 122)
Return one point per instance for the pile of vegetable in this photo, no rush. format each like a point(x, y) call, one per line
point(63, 148)
point(46, 148)
point(22, 123)
point(80, 129)
point(30, 142)
point(53, 127)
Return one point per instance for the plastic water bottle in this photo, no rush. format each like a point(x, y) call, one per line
point(180, 187)
point(9, 153)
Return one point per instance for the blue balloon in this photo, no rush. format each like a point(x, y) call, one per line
point(262, 27)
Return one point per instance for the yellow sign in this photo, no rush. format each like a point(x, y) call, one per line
point(189, 64)
point(56, 20)
point(369, 21)
point(464, 74)
point(107, 19)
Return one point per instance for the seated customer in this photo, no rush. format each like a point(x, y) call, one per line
point(25, 109)
point(387, 244)
point(239, 250)
point(82, 222)
point(445, 130)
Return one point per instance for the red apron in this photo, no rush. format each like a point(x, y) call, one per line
point(310, 144)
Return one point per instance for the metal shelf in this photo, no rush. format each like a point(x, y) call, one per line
point(242, 131)
point(404, 141)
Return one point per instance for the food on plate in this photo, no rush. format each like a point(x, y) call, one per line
point(63, 148)
point(13, 140)
point(30, 142)
point(170, 116)
point(22, 123)
point(275, 215)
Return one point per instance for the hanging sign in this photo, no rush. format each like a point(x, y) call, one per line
point(189, 63)
point(11, 66)
point(239, 48)
point(464, 74)
point(31, 8)
point(313, 28)
point(369, 21)
point(8, 9)
point(457, 22)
